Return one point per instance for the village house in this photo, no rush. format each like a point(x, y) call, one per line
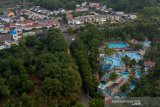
point(105, 9)
point(4, 37)
point(25, 23)
point(84, 4)
point(5, 19)
point(94, 5)
point(2, 47)
point(126, 17)
point(2, 28)
point(132, 16)
point(33, 15)
point(134, 41)
point(9, 43)
point(41, 10)
point(149, 64)
point(82, 9)
point(6, 30)
point(11, 14)
point(93, 19)
point(69, 17)
point(29, 33)
point(13, 35)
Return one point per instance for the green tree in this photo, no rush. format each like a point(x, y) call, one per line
point(96, 103)
point(133, 62)
point(52, 87)
point(138, 47)
point(126, 60)
point(78, 104)
point(109, 51)
point(113, 76)
point(124, 87)
point(27, 85)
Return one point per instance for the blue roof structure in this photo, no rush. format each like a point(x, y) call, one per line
point(12, 32)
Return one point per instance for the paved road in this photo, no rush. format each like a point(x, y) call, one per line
point(66, 35)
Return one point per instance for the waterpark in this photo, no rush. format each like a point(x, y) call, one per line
point(120, 76)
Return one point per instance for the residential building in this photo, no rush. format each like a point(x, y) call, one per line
point(149, 64)
point(94, 5)
point(9, 43)
point(93, 19)
point(1, 28)
point(13, 35)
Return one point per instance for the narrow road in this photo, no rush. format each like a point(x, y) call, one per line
point(66, 35)
point(84, 99)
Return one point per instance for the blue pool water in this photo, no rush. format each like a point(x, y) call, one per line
point(133, 55)
point(138, 74)
point(147, 43)
point(115, 62)
point(132, 86)
point(125, 75)
point(130, 54)
point(106, 67)
point(107, 75)
point(117, 45)
point(123, 94)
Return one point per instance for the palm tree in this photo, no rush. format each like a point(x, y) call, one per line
point(126, 60)
point(124, 87)
point(113, 76)
point(131, 78)
point(133, 71)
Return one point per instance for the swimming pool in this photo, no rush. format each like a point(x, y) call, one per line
point(146, 43)
point(125, 75)
point(117, 45)
point(107, 75)
point(115, 62)
point(138, 74)
point(132, 86)
point(133, 55)
point(123, 95)
point(130, 54)
point(106, 67)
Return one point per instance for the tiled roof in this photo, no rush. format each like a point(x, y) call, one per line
point(149, 63)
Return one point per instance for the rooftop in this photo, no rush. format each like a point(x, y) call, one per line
point(149, 63)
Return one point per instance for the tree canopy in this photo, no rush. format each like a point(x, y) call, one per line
point(46, 58)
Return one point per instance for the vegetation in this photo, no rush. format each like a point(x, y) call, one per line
point(109, 51)
point(42, 67)
point(120, 5)
point(124, 87)
point(41, 72)
point(113, 76)
point(96, 103)
point(126, 60)
point(131, 5)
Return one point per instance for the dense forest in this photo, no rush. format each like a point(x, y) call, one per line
point(124, 5)
point(39, 72)
point(119, 5)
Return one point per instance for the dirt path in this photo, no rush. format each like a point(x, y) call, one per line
point(84, 99)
